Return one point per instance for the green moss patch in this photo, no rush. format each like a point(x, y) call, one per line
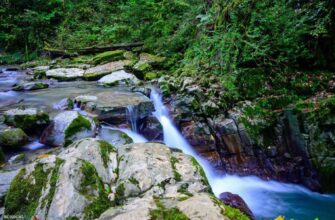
point(108, 56)
point(13, 138)
point(92, 181)
point(28, 122)
point(77, 124)
point(176, 175)
point(202, 173)
point(105, 150)
point(24, 192)
point(161, 212)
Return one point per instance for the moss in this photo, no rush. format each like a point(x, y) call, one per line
point(202, 173)
point(163, 213)
point(40, 74)
point(53, 181)
point(24, 192)
point(108, 56)
point(151, 75)
point(176, 175)
point(76, 125)
point(105, 150)
point(19, 158)
point(119, 194)
point(28, 123)
point(129, 55)
point(228, 211)
point(70, 104)
point(92, 181)
point(184, 189)
point(13, 138)
point(126, 138)
point(133, 181)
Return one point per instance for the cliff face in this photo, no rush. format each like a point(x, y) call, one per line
point(292, 144)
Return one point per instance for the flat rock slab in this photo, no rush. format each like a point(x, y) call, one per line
point(112, 106)
point(65, 74)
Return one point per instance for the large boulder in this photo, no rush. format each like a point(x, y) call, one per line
point(91, 179)
point(236, 201)
point(13, 138)
point(65, 74)
point(118, 78)
point(111, 106)
point(31, 120)
point(67, 127)
point(97, 72)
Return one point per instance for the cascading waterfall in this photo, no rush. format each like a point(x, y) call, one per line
point(132, 115)
point(267, 199)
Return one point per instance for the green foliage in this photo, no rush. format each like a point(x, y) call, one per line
point(202, 173)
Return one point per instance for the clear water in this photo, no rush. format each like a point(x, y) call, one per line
point(267, 199)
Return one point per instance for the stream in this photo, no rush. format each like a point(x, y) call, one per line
point(266, 199)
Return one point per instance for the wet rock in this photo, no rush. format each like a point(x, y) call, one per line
point(114, 137)
point(67, 127)
point(98, 72)
point(151, 129)
point(118, 78)
point(112, 106)
point(28, 86)
point(31, 120)
point(17, 159)
point(13, 138)
point(65, 74)
point(236, 201)
point(64, 104)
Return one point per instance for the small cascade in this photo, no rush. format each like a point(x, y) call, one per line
point(266, 199)
point(136, 137)
point(132, 115)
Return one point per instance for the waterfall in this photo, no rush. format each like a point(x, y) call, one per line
point(132, 115)
point(267, 199)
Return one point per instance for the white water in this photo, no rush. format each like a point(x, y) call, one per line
point(267, 199)
point(137, 138)
point(132, 115)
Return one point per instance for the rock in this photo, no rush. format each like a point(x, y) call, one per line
point(64, 104)
point(65, 74)
point(13, 138)
point(67, 127)
point(118, 78)
point(112, 106)
point(5, 180)
point(114, 137)
point(151, 75)
point(91, 180)
point(17, 159)
point(146, 64)
point(236, 201)
point(151, 129)
point(109, 56)
point(31, 120)
point(27, 86)
point(97, 72)
point(2, 157)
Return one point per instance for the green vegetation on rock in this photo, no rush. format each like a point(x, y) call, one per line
point(109, 56)
point(105, 150)
point(202, 173)
point(173, 161)
point(13, 138)
point(25, 191)
point(77, 125)
point(161, 212)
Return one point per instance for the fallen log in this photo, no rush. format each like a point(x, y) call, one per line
point(72, 52)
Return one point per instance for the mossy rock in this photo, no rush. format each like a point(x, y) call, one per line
point(40, 74)
point(76, 125)
point(30, 120)
point(13, 138)
point(109, 56)
point(140, 68)
point(151, 75)
point(30, 86)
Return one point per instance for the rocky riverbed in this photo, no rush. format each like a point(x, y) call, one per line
point(81, 139)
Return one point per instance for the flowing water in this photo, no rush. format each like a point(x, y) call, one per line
point(267, 199)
